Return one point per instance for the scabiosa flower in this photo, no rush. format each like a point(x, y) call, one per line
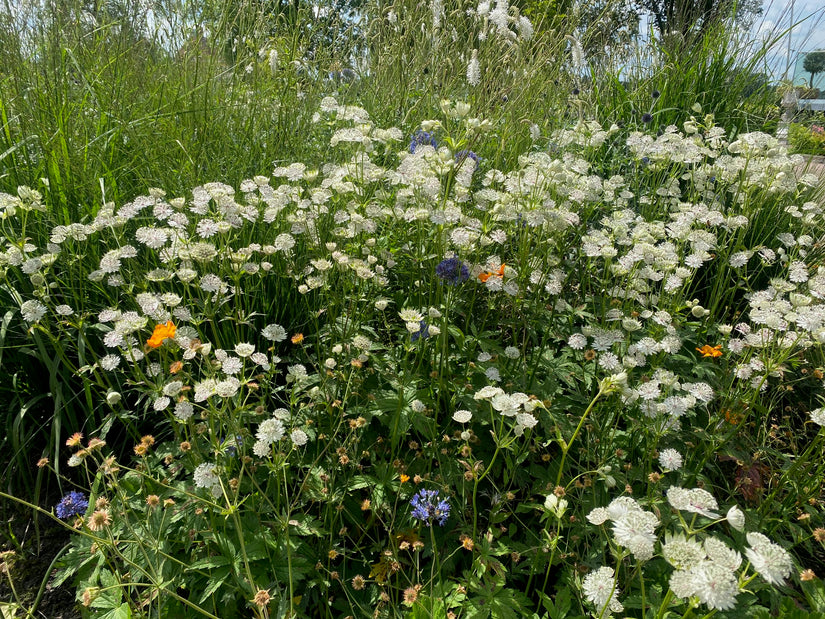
point(73, 504)
point(428, 508)
point(422, 138)
point(453, 271)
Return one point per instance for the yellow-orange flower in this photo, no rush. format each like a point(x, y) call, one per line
point(404, 478)
point(485, 276)
point(161, 333)
point(297, 338)
point(711, 351)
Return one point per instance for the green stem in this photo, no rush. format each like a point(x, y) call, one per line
point(566, 446)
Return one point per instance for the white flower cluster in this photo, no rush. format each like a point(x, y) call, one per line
point(633, 528)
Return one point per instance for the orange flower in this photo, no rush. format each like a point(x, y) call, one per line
point(485, 276)
point(404, 478)
point(297, 338)
point(161, 333)
point(711, 351)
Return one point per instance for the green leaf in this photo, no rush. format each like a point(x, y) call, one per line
point(210, 562)
point(121, 612)
point(219, 577)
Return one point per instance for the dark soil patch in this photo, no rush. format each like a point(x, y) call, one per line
point(28, 562)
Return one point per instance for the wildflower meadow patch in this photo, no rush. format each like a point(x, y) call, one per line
point(409, 379)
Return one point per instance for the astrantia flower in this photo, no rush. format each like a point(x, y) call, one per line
point(600, 589)
point(818, 416)
point(670, 460)
point(769, 559)
point(696, 500)
point(462, 416)
point(206, 476)
point(736, 518)
point(453, 271)
point(428, 508)
point(274, 333)
point(682, 553)
point(32, 311)
point(299, 437)
point(714, 585)
point(73, 504)
point(634, 531)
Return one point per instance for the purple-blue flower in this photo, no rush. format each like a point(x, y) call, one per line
point(428, 508)
point(73, 504)
point(422, 138)
point(423, 331)
point(462, 155)
point(452, 271)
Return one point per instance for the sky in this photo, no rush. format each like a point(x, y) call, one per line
point(806, 36)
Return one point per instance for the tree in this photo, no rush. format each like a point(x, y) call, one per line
point(690, 17)
point(814, 63)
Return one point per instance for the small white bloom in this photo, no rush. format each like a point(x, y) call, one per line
point(670, 460)
point(462, 416)
point(736, 518)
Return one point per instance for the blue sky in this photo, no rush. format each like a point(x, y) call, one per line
point(809, 35)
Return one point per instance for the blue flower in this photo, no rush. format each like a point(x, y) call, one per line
point(422, 138)
point(452, 271)
point(423, 331)
point(461, 155)
point(428, 508)
point(73, 504)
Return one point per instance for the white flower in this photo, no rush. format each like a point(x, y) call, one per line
point(493, 374)
point(714, 585)
point(511, 352)
point(696, 500)
point(736, 518)
point(634, 531)
point(411, 316)
point(244, 350)
point(270, 430)
point(381, 304)
point(462, 416)
point(598, 516)
point(63, 310)
point(769, 559)
point(110, 362)
point(600, 589)
point(184, 410)
point(670, 460)
point(32, 310)
point(274, 333)
point(206, 476)
point(681, 552)
point(161, 403)
point(299, 437)
point(474, 70)
point(418, 406)
point(555, 505)
point(818, 416)
point(719, 552)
